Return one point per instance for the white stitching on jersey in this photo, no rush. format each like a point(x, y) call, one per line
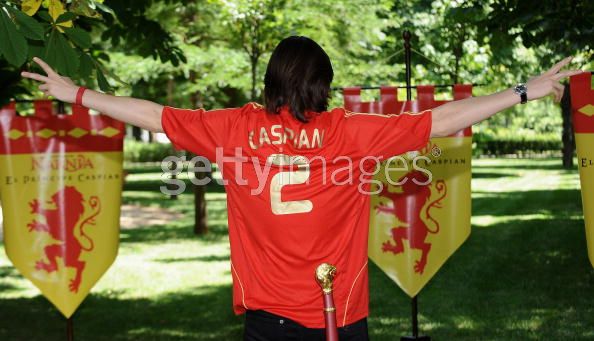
point(241, 286)
point(350, 113)
point(346, 307)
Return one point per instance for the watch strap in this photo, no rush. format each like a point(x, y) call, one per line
point(522, 91)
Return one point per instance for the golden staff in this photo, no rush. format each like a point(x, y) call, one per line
point(324, 275)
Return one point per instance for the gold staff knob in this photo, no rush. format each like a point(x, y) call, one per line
point(324, 275)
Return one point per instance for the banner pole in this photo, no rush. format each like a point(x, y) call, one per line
point(415, 317)
point(407, 61)
point(407, 53)
point(406, 35)
point(61, 108)
point(69, 329)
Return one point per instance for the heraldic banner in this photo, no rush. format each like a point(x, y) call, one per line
point(582, 103)
point(60, 188)
point(421, 215)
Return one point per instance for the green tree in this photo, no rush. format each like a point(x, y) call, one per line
point(450, 46)
point(255, 27)
point(554, 29)
point(54, 31)
point(60, 32)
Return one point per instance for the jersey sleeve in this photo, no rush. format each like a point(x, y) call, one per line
point(384, 136)
point(198, 131)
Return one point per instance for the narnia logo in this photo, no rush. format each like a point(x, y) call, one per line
point(66, 227)
point(67, 162)
point(412, 209)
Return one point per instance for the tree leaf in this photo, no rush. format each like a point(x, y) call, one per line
point(36, 49)
point(85, 8)
point(102, 81)
point(61, 55)
point(104, 8)
point(56, 9)
point(64, 17)
point(13, 44)
point(28, 26)
point(79, 36)
point(30, 7)
point(102, 55)
point(45, 16)
point(113, 76)
point(86, 65)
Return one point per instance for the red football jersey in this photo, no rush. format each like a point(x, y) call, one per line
point(297, 196)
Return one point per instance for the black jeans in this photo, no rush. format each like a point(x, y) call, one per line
point(261, 325)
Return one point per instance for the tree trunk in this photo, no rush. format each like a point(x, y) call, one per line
point(458, 51)
point(170, 87)
point(137, 133)
point(568, 136)
point(200, 214)
point(254, 60)
point(200, 217)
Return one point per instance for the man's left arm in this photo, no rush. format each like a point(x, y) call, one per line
point(453, 116)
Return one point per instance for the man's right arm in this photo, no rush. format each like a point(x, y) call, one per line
point(139, 112)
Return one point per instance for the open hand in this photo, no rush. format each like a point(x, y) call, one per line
point(549, 82)
point(61, 88)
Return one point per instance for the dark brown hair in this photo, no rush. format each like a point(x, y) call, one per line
point(298, 75)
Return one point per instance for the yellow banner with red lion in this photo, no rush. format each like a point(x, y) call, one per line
point(421, 213)
point(582, 103)
point(61, 182)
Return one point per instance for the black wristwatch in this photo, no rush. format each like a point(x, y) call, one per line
point(522, 90)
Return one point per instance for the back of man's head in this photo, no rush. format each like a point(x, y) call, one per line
point(298, 76)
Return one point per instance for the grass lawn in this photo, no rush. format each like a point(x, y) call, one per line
point(522, 275)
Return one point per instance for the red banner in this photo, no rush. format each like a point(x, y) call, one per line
point(389, 103)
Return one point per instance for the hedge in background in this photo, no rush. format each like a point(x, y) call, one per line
point(484, 144)
point(518, 144)
point(135, 151)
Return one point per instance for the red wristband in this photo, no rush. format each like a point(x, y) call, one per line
point(79, 95)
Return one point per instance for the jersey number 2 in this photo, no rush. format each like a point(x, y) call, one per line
point(291, 177)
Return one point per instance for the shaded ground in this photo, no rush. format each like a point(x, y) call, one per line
point(134, 216)
point(522, 275)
